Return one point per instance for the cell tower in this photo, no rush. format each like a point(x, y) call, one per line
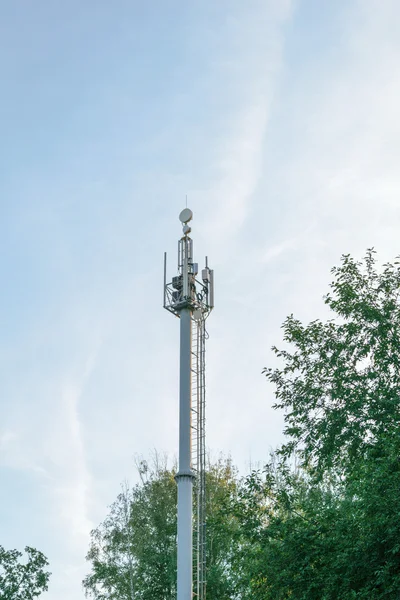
point(191, 299)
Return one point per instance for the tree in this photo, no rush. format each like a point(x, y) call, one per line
point(222, 483)
point(335, 539)
point(133, 552)
point(340, 386)
point(329, 529)
point(22, 580)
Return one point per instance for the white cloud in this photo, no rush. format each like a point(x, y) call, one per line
point(247, 80)
point(238, 166)
point(6, 437)
point(73, 491)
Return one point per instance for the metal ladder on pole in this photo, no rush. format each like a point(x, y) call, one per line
point(199, 456)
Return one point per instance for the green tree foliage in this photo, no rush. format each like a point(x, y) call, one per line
point(330, 540)
point(340, 385)
point(133, 552)
point(22, 580)
point(329, 529)
point(221, 486)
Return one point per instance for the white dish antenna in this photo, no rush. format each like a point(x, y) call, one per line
point(186, 215)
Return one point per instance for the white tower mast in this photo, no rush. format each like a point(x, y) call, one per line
point(191, 300)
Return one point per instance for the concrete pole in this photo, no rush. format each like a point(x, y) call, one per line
point(185, 475)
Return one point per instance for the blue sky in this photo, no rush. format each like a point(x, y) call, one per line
point(278, 119)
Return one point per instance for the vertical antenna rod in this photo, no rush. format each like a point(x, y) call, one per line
point(191, 300)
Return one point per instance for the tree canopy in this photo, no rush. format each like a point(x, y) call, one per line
point(133, 552)
point(22, 580)
point(326, 526)
point(339, 386)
